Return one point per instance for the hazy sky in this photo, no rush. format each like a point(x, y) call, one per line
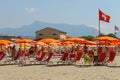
point(16, 13)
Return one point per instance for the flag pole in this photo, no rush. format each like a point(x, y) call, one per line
point(99, 28)
point(114, 31)
point(98, 22)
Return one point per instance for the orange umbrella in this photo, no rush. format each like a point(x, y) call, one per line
point(115, 43)
point(22, 45)
point(9, 42)
point(40, 43)
point(3, 42)
point(75, 39)
point(48, 40)
point(24, 40)
point(105, 38)
point(88, 42)
point(67, 42)
point(55, 44)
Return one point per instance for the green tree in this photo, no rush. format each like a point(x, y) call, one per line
point(87, 37)
point(111, 35)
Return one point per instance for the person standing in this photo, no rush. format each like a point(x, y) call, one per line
point(13, 52)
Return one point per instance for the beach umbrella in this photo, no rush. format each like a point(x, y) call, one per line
point(105, 43)
point(24, 40)
point(48, 40)
point(101, 43)
point(38, 43)
point(4, 42)
point(75, 39)
point(105, 38)
point(33, 42)
point(55, 44)
point(88, 42)
point(67, 42)
point(8, 42)
point(26, 45)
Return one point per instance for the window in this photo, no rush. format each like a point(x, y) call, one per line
point(54, 34)
point(40, 34)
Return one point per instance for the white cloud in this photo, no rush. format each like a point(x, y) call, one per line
point(31, 10)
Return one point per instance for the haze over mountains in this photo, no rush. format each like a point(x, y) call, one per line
point(29, 30)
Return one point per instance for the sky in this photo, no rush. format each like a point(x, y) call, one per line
point(16, 13)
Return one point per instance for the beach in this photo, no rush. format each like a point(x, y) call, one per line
point(61, 72)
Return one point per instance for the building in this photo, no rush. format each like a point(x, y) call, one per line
point(50, 33)
point(9, 37)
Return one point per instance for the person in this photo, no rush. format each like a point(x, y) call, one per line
point(13, 52)
point(85, 48)
point(31, 50)
point(42, 48)
point(35, 49)
point(95, 55)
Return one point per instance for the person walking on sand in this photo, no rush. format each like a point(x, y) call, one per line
point(95, 54)
point(13, 52)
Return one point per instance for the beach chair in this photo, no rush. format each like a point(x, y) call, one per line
point(111, 57)
point(64, 59)
point(78, 56)
point(8, 58)
point(22, 58)
point(39, 59)
point(17, 58)
point(2, 56)
point(42, 56)
point(101, 59)
point(99, 49)
point(33, 58)
point(71, 57)
point(48, 58)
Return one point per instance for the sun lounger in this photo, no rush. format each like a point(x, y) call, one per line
point(2, 56)
point(17, 58)
point(42, 56)
point(48, 58)
point(21, 58)
point(101, 59)
point(78, 57)
point(64, 59)
point(39, 58)
point(111, 57)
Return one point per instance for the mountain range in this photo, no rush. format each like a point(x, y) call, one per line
point(71, 30)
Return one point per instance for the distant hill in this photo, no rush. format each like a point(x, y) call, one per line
point(29, 30)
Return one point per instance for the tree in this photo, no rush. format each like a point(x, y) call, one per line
point(101, 34)
point(87, 37)
point(111, 35)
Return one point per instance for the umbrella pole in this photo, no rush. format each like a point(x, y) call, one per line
point(1, 47)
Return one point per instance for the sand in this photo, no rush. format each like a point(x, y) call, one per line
point(68, 72)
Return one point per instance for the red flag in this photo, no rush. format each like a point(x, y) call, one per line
point(104, 17)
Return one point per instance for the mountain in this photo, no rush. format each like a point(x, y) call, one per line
point(72, 30)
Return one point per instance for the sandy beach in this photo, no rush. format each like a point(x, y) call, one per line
point(68, 72)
